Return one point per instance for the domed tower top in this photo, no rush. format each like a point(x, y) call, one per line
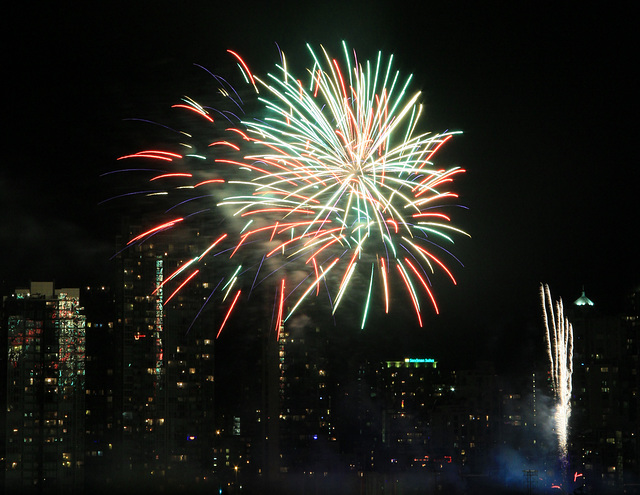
point(583, 300)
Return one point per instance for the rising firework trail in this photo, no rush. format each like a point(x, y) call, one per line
point(331, 189)
point(559, 336)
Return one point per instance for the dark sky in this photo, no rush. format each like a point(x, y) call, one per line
point(544, 96)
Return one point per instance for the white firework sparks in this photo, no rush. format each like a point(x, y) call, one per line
point(560, 347)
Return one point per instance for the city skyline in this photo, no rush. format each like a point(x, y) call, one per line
point(281, 411)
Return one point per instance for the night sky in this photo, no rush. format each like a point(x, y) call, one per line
point(544, 97)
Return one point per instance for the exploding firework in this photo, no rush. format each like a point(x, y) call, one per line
point(559, 335)
point(333, 186)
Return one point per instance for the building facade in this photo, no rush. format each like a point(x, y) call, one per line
point(164, 366)
point(101, 388)
point(45, 390)
point(605, 404)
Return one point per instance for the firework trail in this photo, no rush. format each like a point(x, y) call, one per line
point(333, 183)
point(559, 335)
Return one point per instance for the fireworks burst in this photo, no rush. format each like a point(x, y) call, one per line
point(559, 335)
point(334, 184)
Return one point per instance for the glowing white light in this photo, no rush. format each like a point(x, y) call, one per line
point(560, 347)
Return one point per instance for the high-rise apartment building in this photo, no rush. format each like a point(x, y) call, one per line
point(411, 392)
point(409, 388)
point(164, 364)
point(44, 331)
point(306, 429)
point(605, 404)
point(477, 429)
point(101, 387)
